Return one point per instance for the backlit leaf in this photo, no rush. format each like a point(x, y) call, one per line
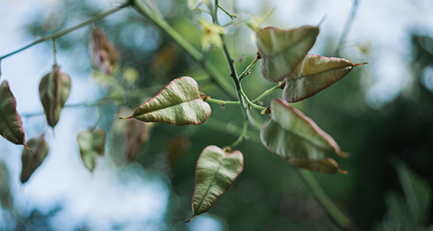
point(103, 53)
point(179, 103)
point(215, 173)
point(10, 122)
point(31, 160)
point(282, 50)
point(137, 134)
point(54, 90)
point(290, 134)
point(92, 145)
point(314, 74)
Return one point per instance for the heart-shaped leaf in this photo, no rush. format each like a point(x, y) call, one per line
point(314, 74)
point(31, 160)
point(103, 53)
point(282, 50)
point(290, 134)
point(179, 103)
point(215, 173)
point(54, 90)
point(92, 145)
point(10, 122)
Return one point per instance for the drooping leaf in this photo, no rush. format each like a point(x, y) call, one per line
point(327, 165)
point(417, 192)
point(290, 134)
point(92, 145)
point(282, 50)
point(103, 54)
point(54, 90)
point(5, 193)
point(10, 122)
point(179, 103)
point(31, 160)
point(314, 74)
point(216, 171)
point(137, 134)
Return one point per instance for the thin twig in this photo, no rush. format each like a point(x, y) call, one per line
point(347, 26)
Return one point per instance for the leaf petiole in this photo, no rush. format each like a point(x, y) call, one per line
point(222, 102)
point(269, 91)
point(242, 136)
point(232, 16)
point(246, 72)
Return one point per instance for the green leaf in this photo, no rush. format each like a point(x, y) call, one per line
point(314, 74)
point(290, 134)
point(103, 53)
point(327, 165)
point(137, 134)
point(10, 122)
point(399, 212)
point(282, 50)
point(31, 160)
point(417, 192)
point(54, 90)
point(5, 194)
point(179, 103)
point(215, 173)
point(92, 145)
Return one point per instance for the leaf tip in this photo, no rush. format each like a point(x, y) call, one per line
point(343, 154)
point(190, 219)
point(360, 64)
point(125, 118)
point(342, 171)
point(28, 148)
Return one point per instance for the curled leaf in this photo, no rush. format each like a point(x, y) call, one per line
point(54, 90)
point(215, 173)
point(31, 160)
point(314, 74)
point(92, 145)
point(179, 103)
point(282, 50)
point(103, 54)
point(290, 134)
point(10, 122)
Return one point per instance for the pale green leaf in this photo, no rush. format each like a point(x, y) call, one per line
point(179, 103)
point(216, 171)
point(314, 74)
point(54, 90)
point(92, 145)
point(290, 134)
point(31, 160)
point(10, 122)
point(282, 50)
point(417, 192)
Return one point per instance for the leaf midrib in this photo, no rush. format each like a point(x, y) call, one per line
point(10, 127)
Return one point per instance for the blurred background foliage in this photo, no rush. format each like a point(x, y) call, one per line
point(269, 194)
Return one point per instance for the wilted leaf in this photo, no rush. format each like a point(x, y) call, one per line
point(137, 134)
point(417, 192)
point(31, 160)
point(282, 50)
point(54, 90)
point(179, 103)
point(92, 145)
point(177, 148)
point(216, 171)
point(103, 53)
point(10, 122)
point(314, 74)
point(5, 194)
point(290, 134)
point(327, 165)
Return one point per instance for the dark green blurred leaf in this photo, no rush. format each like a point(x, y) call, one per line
point(215, 173)
point(399, 211)
point(54, 90)
point(282, 50)
point(5, 194)
point(31, 160)
point(417, 192)
point(179, 103)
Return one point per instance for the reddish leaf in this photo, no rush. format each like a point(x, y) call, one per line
point(103, 53)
